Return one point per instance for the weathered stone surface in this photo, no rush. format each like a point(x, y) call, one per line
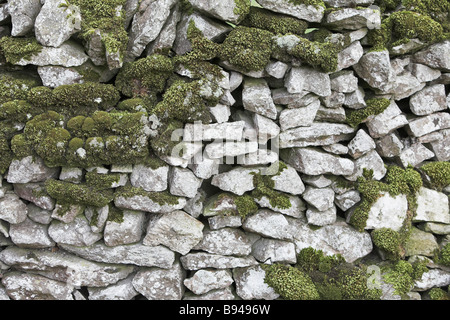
point(424, 73)
point(55, 76)
point(35, 193)
point(39, 215)
point(338, 238)
point(386, 122)
point(77, 232)
point(168, 34)
point(321, 217)
point(218, 222)
point(296, 209)
point(176, 230)
point(415, 155)
point(433, 278)
point(429, 100)
point(370, 161)
point(268, 224)
point(257, 97)
point(12, 208)
point(26, 286)
point(320, 198)
point(312, 161)
point(347, 199)
point(420, 243)
point(250, 284)
point(122, 290)
point(360, 144)
point(148, 178)
point(228, 10)
point(432, 206)
point(350, 55)
point(218, 294)
point(203, 260)
point(215, 131)
point(183, 182)
point(441, 148)
point(225, 241)
point(238, 181)
point(64, 267)
point(427, 124)
point(146, 25)
point(265, 128)
point(353, 19)
point(206, 280)
point(308, 79)
point(298, 117)
point(128, 230)
point(289, 181)
point(389, 146)
point(66, 213)
point(69, 54)
point(274, 251)
point(375, 68)
point(135, 254)
point(23, 14)
point(147, 203)
point(30, 234)
point(311, 13)
point(435, 56)
point(56, 23)
point(388, 212)
point(217, 150)
point(160, 284)
point(29, 169)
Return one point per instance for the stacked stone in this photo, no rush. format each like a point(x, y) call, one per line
point(176, 230)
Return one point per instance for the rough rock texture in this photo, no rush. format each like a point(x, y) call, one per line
point(224, 150)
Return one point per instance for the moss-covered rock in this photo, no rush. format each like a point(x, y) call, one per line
point(15, 49)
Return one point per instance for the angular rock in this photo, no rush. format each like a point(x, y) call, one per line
point(370, 161)
point(229, 10)
point(355, 100)
point(277, 69)
point(429, 100)
point(166, 38)
point(225, 241)
point(415, 155)
point(237, 181)
point(299, 117)
point(344, 81)
point(312, 161)
point(220, 113)
point(389, 146)
point(250, 284)
point(77, 232)
point(55, 76)
point(310, 13)
point(23, 15)
point(183, 182)
point(350, 56)
point(215, 131)
point(320, 198)
point(375, 68)
point(388, 212)
point(219, 294)
point(217, 150)
point(64, 267)
point(321, 218)
point(35, 193)
point(203, 167)
point(135, 254)
point(30, 234)
point(420, 243)
point(160, 284)
point(360, 144)
point(288, 181)
point(29, 169)
point(146, 25)
point(148, 203)
point(308, 79)
point(122, 290)
point(268, 224)
point(69, 54)
point(56, 23)
point(176, 230)
point(433, 278)
point(26, 286)
point(203, 260)
point(218, 222)
point(353, 19)
point(274, 251)
point(424, 73)
point(296, 209)
point(128, 229)
point(257, 97)
point(39, 215)
point(435, 56)
point(432, 206)
point(12, 209)
point(67, 213)
point(347, 200)
point(386, 122)
point(421, 126)
point(194, 206)
point(335, 100)
point(204, 281)
point(441, 149)
point(266, 128)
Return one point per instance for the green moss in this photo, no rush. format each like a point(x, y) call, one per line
point(144, 76)
point(37, 128)
point(6, 155)
point(439, 294)
point(316, 54)
point(248, 49)
point(100, 181)
point(15, 86)
point(82, 194)
point(374, 106)
point(106, 16)
point(402, 275)
point(21, 147)
point(310, 259)
point(389, 241)
point(264, 187)
point(17, 111)
point(164, 143)
point(275, 23)
point(316, 3)
point(16, 49)
point(436, 9)
point(442, 256)
point(438, 172)
point(290, 283)
point(53, 147)
point(241, 9)
point(161, 198)
point(115, 214)
point(245, 206)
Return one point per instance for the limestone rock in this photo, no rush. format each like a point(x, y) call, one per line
point(177, 230)
point(432, 278)
point(128, 230)
point(298, 117)
point(360, 144)
point(429, 100)
point(432, 206)
point(23, 15)
point(353, 19)
point(206, 280)
point(321, 217)
point(30, 234)
point(225, 241)
point(12, 209)
point(435, 56)
point(388, 212)
point(29, 169)
point(55, 76)
point(289, 181)
point(386, 122)
point(423, 125)
point(310, 13)
point(183, 182)
point(375, 68)
point(257, 97)
point(370, 161)
point(415, 155)
point(229, 10)
point(274, 251)
point(122, 290)
point(420, 243)
point(203, 260)
point(250, 284)
point(147, 203)
point(308, 79)
point(268, 224)
point(320, 198)
point(77, 232)
point(238, 180)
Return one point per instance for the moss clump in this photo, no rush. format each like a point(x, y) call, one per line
point(438, 172)
point(245, 206)
point(15, 86)
point(53, 147)
point(389, 241)
point(334, 278)
point(436, 9)
point(37, 128)
point(144, 77)
point(442, 256)
point(241, 9)
point(115, 214)
point(100, 181)
point(401, 26)
point(106, 16)
point(167, 138)
point(316, 3)
point(249, 49)
point(82, 194)
point(402, 275)
point(275, 23)
point(21, 147)
point(264, 187)
point(19, 111)
point(290, 283)
point(316, 54)
point(374, 106)
point(438, 294)
point(6, 155)
point(16, 49)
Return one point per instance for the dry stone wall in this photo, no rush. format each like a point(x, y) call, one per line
point(224, 150)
